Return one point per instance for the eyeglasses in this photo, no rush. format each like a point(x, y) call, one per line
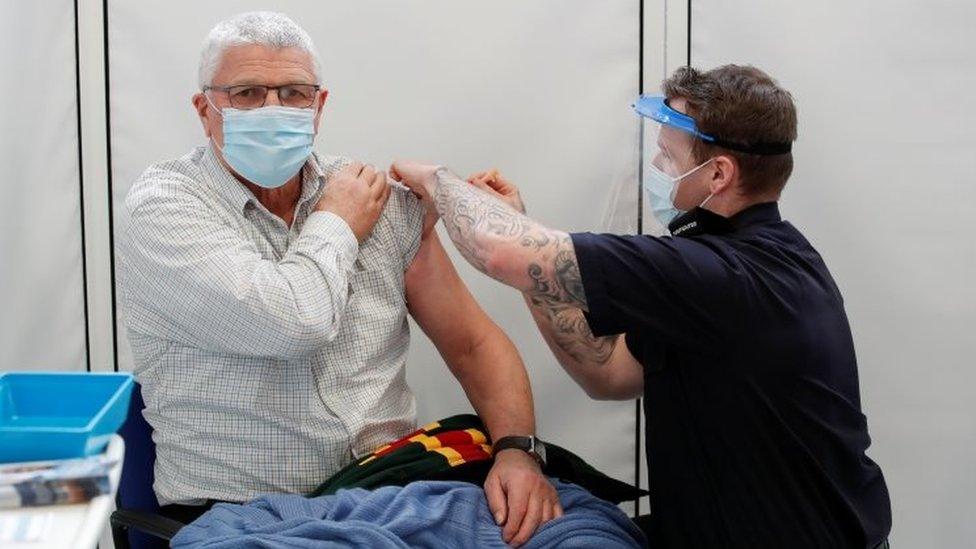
point(247, 96)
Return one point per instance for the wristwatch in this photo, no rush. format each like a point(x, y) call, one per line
point(529, 444)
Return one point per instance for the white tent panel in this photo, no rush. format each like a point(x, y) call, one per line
point(42, 326)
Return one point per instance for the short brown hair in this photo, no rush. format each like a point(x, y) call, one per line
point(743, 105)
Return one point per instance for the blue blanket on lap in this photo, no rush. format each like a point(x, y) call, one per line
point(421, 514)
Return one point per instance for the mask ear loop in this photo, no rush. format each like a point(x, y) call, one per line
point(680, 178)
point(710, 195)
point(702, 205)
point(218, 111)
point(693, 170)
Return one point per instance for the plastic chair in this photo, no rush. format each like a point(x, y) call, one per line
point(136, 523)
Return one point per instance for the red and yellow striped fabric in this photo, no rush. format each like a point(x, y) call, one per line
point(460, 446)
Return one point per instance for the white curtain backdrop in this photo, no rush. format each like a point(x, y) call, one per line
point(42, 323)
point(884, 189)
point(540, 90)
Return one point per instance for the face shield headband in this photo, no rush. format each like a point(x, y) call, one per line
point(656, 108)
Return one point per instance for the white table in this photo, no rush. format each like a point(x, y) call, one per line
point(77, 526)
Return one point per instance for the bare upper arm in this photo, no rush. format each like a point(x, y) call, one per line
point(440, 301)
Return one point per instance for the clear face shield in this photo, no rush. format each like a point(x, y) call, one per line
point(667, 156)
point(622, 200)
point(666, 165)
point(669, 164)
point(662, 154)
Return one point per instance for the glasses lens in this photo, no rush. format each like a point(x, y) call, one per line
point(247, 97)
point(297, 95)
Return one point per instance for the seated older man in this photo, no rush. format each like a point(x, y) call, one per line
point(266, 290)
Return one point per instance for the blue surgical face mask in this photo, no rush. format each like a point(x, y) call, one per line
point(660, 190)
point(268, 146)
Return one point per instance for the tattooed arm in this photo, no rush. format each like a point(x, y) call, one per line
point(503, 243)
point(506, 245)
point(602, 366)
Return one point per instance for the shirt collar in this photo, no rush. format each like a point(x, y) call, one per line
point(226, 185)
point(240, 196)
point(757, 214)
point(699, 221)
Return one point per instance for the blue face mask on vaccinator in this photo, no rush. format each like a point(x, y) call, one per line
point(269, 145)
point(660, 190)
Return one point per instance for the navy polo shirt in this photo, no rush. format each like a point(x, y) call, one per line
point(755, 436)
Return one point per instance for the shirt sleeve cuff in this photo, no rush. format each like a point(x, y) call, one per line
point(600, 315)
point(331, 228)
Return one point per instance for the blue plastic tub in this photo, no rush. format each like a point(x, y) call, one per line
point(60, 415)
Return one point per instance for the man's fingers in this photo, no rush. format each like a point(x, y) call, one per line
point(385, 191)
point(352, 169)
point(554, 511)
point(499, 184)
point(557, 510)
point(400, 169)
point(547, 513)
point(489, 186)
point(518, 502)
point(377, 183)
point(367, 174)
point(496, 499)
point(482, 185)
point(479, 175)
point(493, 180)
point(530, 522)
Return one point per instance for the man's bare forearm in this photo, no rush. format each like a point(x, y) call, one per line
point(493, 377)
point(597, 364)
point(568, 334)
point(507, 245)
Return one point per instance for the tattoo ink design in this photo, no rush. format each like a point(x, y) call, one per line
point(479, 224)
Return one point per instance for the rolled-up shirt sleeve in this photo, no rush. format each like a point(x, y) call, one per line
point(198, 280)
point(406, 212)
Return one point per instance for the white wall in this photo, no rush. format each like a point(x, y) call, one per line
point(884, 188)
point(539, 89)
point(42, 323)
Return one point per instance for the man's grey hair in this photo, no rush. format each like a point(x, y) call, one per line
point(264, 28)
